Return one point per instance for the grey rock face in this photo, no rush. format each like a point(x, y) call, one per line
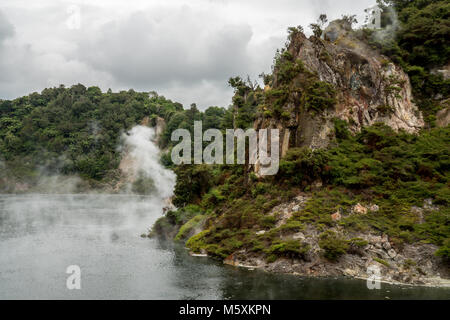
point(369, 88)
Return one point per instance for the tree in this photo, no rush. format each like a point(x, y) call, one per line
point(317, 28)
point(349, 20)
point(323, 19)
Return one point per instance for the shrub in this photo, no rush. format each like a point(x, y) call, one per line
point(444, 251)
point(383, 262)
point(333, 246)
point(197, 242)
point(290, 249)
point(189, 226)
point(320, 96)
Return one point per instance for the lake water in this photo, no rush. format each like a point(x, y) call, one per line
point(41, 235)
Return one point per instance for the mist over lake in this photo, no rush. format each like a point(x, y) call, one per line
point(41, 235)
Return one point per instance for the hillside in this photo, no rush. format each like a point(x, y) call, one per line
point(364, 177)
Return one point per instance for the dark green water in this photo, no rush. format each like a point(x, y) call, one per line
point(40, 236)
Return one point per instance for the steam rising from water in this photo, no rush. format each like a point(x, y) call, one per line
point(42, 234)
point(143, 159)
point(102, 214)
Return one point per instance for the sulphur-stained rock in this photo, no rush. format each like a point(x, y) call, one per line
point(336, 216)
point(231, 260)
point(359, 209)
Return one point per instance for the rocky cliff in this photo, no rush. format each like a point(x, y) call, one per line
point(316, 81)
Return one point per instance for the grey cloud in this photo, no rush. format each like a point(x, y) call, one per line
point(185, 50)
point(144, 51)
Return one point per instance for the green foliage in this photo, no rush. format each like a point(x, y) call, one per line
point(183, 215)
point(302, 165)
point(213, 197)
point(316, 29)
point(260, 188)
point(425, 32)
point(419, 44)
point(247, 96)
point(73, 130)
point(161, 228)
point(379, 156)
point(286, 68)
point(290, 249)
point(192, 182)
point(189, 226)
point(383, 262)
point(333, 245)
point(320, 96)
point(293, 32)
point(444, 250)
point(196, 243)
point(341, 131)
point(296, 85)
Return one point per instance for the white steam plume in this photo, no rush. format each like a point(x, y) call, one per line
point(144, 159)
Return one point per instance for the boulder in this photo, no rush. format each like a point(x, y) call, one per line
point(392, 253)
point(336, 216)
point(298, 236)
point(428, 205)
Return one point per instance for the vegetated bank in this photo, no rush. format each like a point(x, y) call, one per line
point(364, 174)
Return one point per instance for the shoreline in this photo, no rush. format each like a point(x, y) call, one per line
point(440, 283)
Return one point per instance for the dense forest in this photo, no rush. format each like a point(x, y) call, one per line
point(420, 44)
point(77, 130)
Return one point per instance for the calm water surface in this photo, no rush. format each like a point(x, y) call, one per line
point(41, 235)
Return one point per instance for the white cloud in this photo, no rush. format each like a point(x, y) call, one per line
point(185, 50)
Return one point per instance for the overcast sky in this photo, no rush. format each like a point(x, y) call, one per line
point(184, 49)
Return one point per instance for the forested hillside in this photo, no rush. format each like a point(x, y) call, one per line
point(77, 130)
